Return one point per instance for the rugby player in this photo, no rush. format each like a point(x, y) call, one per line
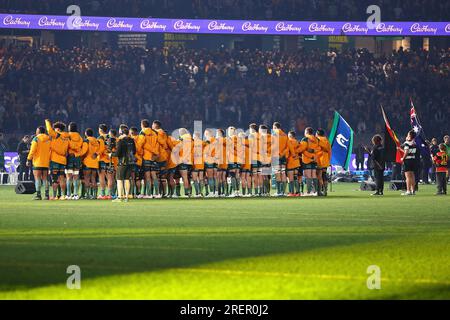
point(293, 165)
point(186, 154)
point(162, 158)
point(150, 157)
point(211, 163)
point(39, 159)
point(265, 154)
point(73, 162)
point(222, 165)
point(90, 164)
point(254, 145)
point(233, 162)
point(323, 162)
point(137, 172)
point(58, 157)
point(280, 149)
point(309, 147)
point(199, 165)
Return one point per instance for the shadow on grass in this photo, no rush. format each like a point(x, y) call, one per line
point(27, 263)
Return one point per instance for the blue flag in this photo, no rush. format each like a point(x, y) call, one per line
point(341, 138)
point(420, 139)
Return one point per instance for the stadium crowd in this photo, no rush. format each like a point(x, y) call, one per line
point(222, 87)
point(431, 10)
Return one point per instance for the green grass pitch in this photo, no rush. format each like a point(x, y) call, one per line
point(302, 248)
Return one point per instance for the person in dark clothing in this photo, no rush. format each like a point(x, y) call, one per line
point(359, 157)
point(411, 162)
point(22, 150)
point(125, 152)
point(434, 149)
point(378, 164)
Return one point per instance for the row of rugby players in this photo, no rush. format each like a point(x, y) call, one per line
point(228, 163)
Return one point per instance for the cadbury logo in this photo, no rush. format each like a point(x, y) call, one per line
point(181, 25)
point(390, 28)
point(216, 26)
point(349, 28)
point(314, 27)
point(416, 27)
point(46, 22)
point(289, 27)
point(248, 26)
point(114, 24)
point(11, 21)
point(153, 25)
point(79, 23)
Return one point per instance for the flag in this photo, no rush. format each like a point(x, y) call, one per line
point(341, 138)
point(420, 137)
point(392, 150)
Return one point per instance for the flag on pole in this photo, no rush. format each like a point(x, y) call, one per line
point(341, 137)
point(392, 150)
point(420, 137)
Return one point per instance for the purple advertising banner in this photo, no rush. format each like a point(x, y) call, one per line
point(326, 28)
point(11, 162)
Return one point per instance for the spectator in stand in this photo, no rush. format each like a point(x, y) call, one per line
point(90, 86)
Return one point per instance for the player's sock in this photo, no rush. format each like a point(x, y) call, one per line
point(315, 183)
point(278, 184)
point(283, 187)
point(196, 186)
point(68, 184)
point(302, 186)
point(291, 186)
point(297, 186)
point(178, 190)
point(38, 185)
point(308, 185)
point(201, 186)
point(47, 187)
point(233, 184)
point(206, 187)
point(156, 187)
point(148, 188)
point(95, 192)
point(268, 187)
point(75, 187)
point(244, 189)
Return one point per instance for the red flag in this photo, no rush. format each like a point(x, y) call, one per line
point(392, 148)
